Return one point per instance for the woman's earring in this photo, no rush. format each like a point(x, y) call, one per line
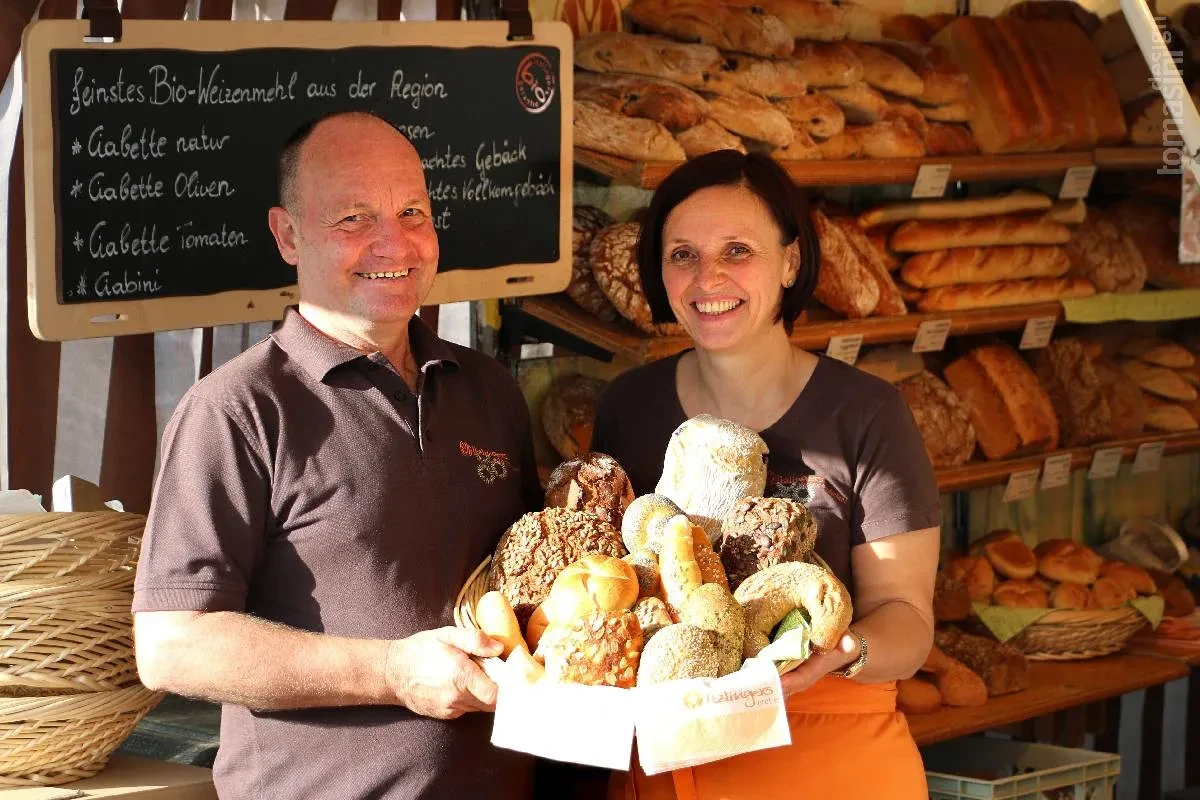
point(790, 282)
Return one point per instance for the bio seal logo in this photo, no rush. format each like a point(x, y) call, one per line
point(693, 699)
point(536, 83)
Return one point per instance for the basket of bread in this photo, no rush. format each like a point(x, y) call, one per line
point(705, 580)
point(1058, 601)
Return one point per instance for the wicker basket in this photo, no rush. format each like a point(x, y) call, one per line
point(1076, 635)
point(79, 543)
point(51, 740)
point(64, 635)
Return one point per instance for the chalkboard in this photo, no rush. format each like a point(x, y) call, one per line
point(154, 160)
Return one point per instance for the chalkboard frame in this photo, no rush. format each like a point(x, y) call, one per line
point(51, 320)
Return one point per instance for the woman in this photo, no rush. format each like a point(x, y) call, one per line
point(728, 250)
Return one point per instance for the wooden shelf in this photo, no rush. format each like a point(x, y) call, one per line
point(1186, 650)
point(992, 473)
point(1054, 686)
point(1127, 158)
point(622, 339)
point(649, 174)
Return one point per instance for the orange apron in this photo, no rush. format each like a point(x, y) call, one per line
point(848, 740)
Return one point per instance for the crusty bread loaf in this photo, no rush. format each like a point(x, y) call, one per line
point(1070, 380)
point(751, 116)
point(1004, 293)
point(1008, 554)
point(950, 112)
point(943, 82)
point(708, 137)
point(1009, 409)
point(891, 302)
point(1125, 400)
point(744, 29)
point(1151, 229)
point(765, 77)
point(1130, 76)
point(1159, 381)
point(861, 104)
point(827, 64)
point(592, 482)
point(802, 148)
point(583, 289)
point(885, 72)
point(1069, 46)
point(942, 417)
point(1057, 11)
point(600, 649)
point(569, 413)
point(760, 532)
point(1113, 38)
point(806, 19)
point(1013, 202)
point(845, 284)
point(674, 106)
point(1161, 352)
point(610, 132)
point(1003, 668)
point(1103, 253)
point(1054, 129)
point(916, 236)
point(909, 114)
point(983, 265)
point(843, 146)
point(614, 264)
point(686, 64)
point(815, 113)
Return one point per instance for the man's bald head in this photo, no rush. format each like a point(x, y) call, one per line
point(290, 155)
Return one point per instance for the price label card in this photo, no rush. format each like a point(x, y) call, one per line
point(1056, 471)
point(845, 348)
point(1077, 183)
point(931, 336)
point(1105, 463)
point(1021, 485)
point(931, 180)
point(1037, 333)
point(1148, 457)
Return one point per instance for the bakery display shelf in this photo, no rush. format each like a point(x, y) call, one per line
point(857, 172)
point(812, 333)
point(1054, 686)
point(976, 475)
point(1186, 650)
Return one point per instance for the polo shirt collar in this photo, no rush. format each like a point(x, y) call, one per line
point(319, 354)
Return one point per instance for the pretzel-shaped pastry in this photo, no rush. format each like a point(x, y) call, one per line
point(769, 595)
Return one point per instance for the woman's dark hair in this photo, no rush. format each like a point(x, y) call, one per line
point(761, 175)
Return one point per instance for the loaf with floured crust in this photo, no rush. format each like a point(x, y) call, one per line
point(614, 264)
point(815, 113)
point(916, 236)
point(744, 29)
point(802, 148)
point(597, 128)
point(861, 104)
point(1125, 400)
point(817, 20)
point(983, 265)
point(1102, 252)
point(949, 139)
point(885, 72)
point(827, 64)
point(844, 284)
point(685, 64)
point(674, 106)
point(1070, 380)
point(891, 302)
point(1004, 293)
point(1009, 409)
point(708, 137)
point(942, 417)
point(942, 81)
point(765, 77)
point(751, 116)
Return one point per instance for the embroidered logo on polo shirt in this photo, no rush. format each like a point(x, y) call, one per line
point(799, 488)
point(491, 466)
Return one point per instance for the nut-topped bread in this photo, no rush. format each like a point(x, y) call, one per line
point(760, 532)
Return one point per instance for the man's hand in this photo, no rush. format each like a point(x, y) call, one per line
point(820, 665)
point(432, 674)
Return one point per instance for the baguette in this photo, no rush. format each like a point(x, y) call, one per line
point(743, 29)
point(749, 115)
point(844, 284)
point(686, 64)
point(815, 113)
point(920, 235)
point(861, 104)
point(827, 64)
point(983, 265)
point(1159, 381)
point(1004, 293)
point(891, 302)
point(708, 137)
point(948, 139)
point(886, 72)
point(765, 77)
point(1068, 212)
point(605, 131)
point(670, 104)
point(1013, 202)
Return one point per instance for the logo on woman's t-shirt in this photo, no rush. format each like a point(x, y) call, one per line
point(800, 488)
point(490, 467)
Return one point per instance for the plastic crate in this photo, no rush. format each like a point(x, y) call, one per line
point(979, 767)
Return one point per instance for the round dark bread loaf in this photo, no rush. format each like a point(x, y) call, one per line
point(760, 532)
point(593, 482)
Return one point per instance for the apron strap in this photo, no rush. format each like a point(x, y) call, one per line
point(685, 784)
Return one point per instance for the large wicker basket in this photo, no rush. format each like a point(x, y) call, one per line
point(55, 545)
point(1066, 635)
point(52, 740)
point(66, 635)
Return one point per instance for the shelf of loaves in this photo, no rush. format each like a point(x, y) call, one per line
point(812, 333)
point(649, 174)
point(1054, 686)
point(976, 475)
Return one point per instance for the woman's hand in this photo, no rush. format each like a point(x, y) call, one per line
point(820, 665)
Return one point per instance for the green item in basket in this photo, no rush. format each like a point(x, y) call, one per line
point(792, 639)
point(1004, 622)
point(1150, 607)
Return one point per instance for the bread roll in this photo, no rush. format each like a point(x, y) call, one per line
point(670, 104)
point(594, 582)
point(825, 65)
point(678, 652)
point(917, 236)
point(1069, 595)
point(1157, 351)
point(601, 648)
point(815, 113)
point(863, 24)
point(645, 567)
point(945, 139)
point(749, 115)
point(943, 82)
point(708, 137)
point(643, 522)
point(495, 618)
point(1160, 381)
point(1074, 389)
point(842, 147)
point(741, 29)
point(1168, 417)
point(977, 573)
point(651, 56)
point(1010, 411)
point(652, 615)
point(1109, 593)
point(861, 104)
point(1008, 553)
point(1005, 293)
point(1065, 560)
point(712, 608)
point(677, 566)
point(886, 72)
point(844, 284)
point(525, 665)
point(1020, 200)
point(983, 265)
point(605, 131)
point(1129, 575)
point(765, 77)
point(917, 696)
point(592, 482)
point(943, 419)
point(1020, 594)
point(760, 532)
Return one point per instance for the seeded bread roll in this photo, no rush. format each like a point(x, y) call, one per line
point(712, 608)
point(760, 532)
point(593, 482)
point(652, 615)
point(645, 567)
point(644, 519)
point(678, 652)
point(602, 648)
point(540, 545)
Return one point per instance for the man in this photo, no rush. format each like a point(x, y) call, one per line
point(323, 497)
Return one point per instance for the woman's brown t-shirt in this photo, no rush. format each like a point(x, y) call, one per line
point(848, 449)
